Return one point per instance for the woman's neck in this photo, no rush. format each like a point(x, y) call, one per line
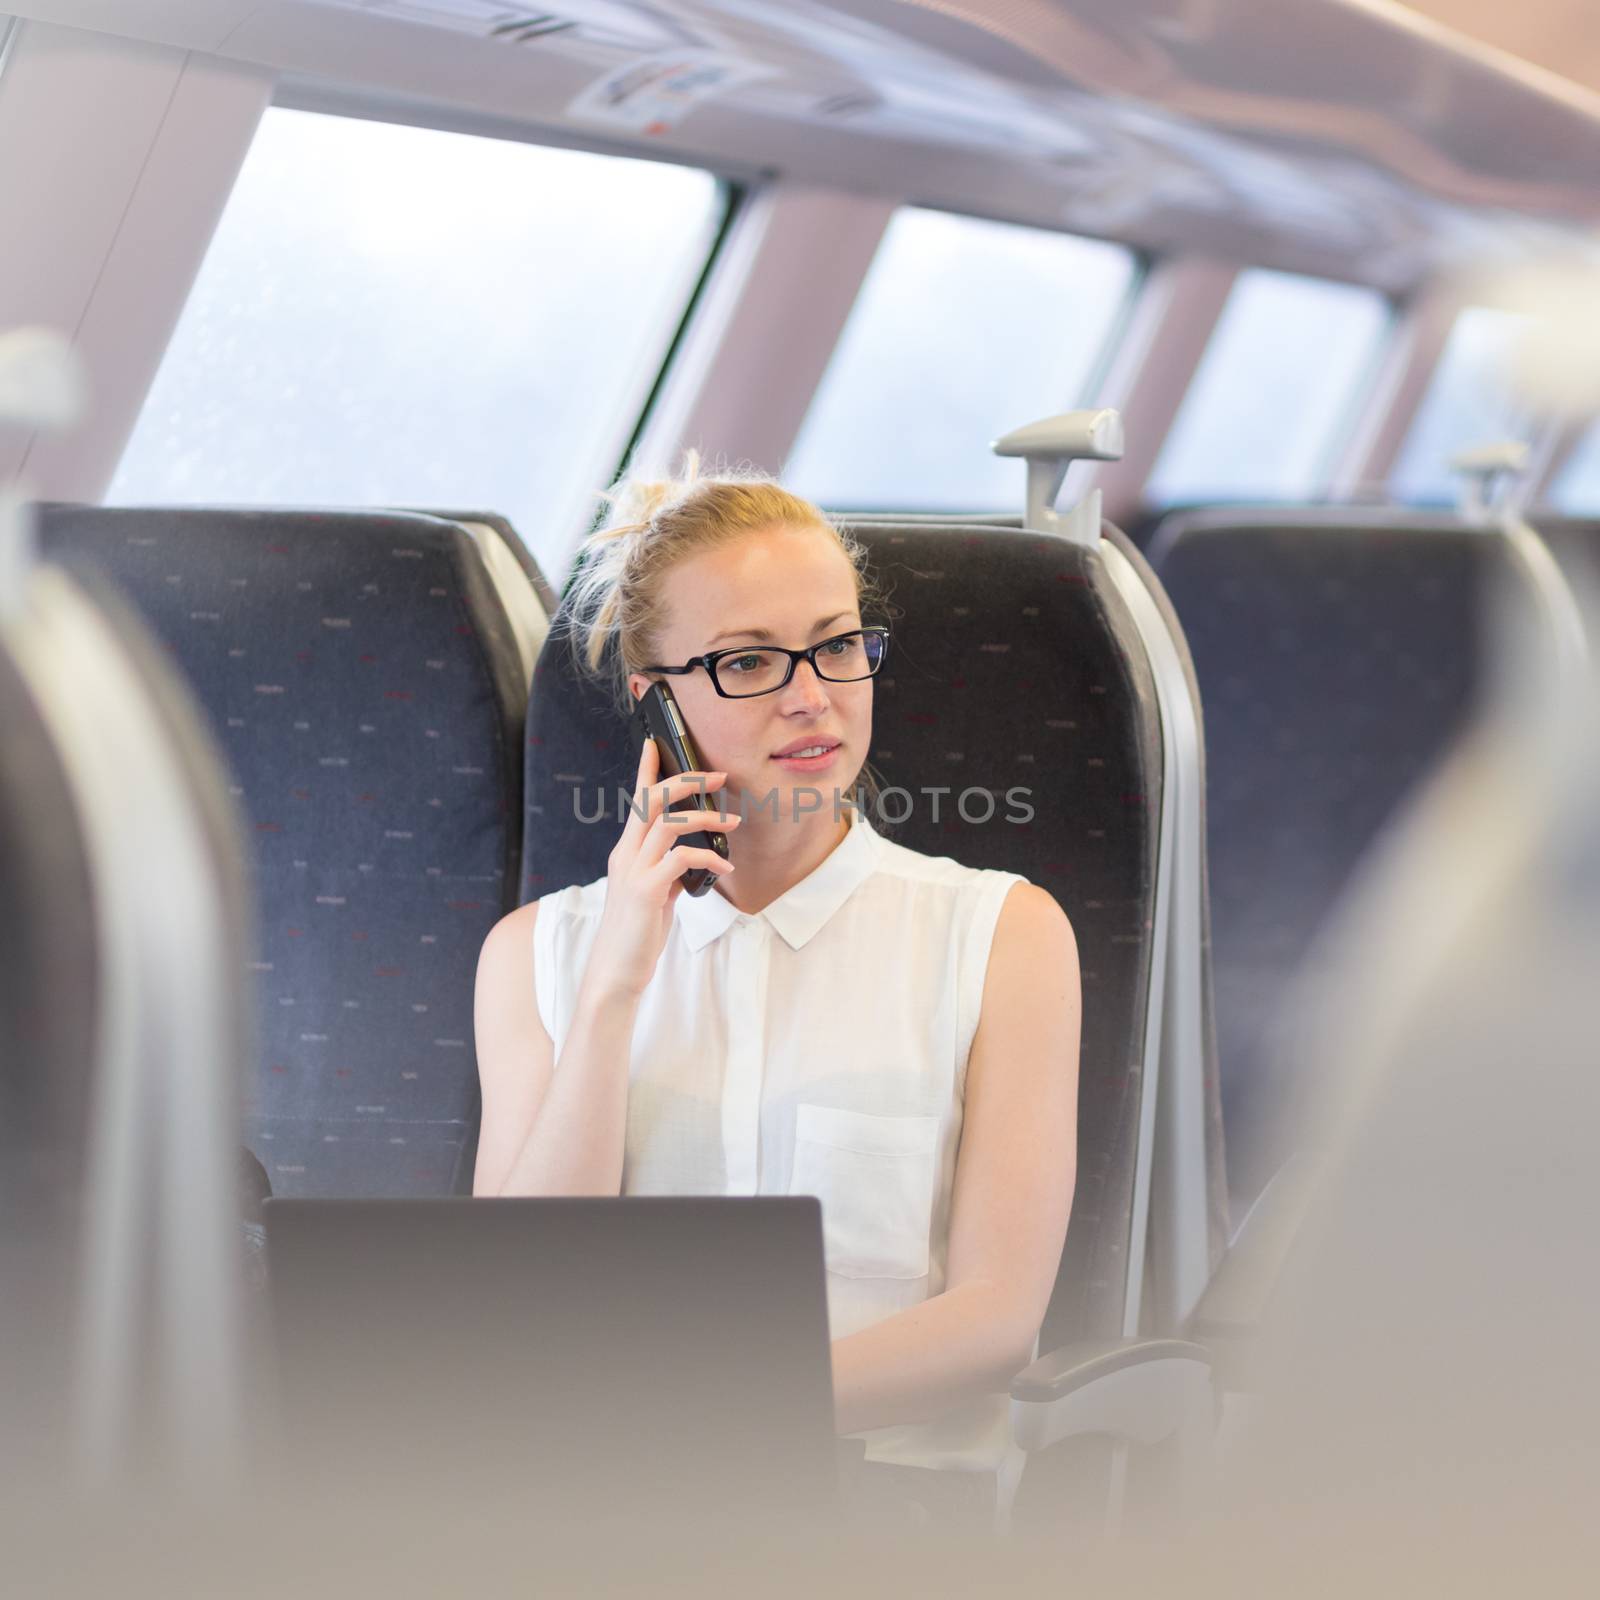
point(771, 855)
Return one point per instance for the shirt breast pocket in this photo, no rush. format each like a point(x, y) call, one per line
point(875, 1178)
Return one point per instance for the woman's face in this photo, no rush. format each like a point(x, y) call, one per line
point(789, 586)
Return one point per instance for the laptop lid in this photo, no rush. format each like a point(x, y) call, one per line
point(588, 1356)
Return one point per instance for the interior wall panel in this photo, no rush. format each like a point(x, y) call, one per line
point(116, 159)
point(1391, 406)
point(1150, 373)
point(767, 326)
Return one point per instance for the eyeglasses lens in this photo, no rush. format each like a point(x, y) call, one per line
point(851, 656)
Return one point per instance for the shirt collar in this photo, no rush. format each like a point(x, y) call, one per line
point(801, 911)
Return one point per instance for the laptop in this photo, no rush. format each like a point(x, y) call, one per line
point(588, 1357)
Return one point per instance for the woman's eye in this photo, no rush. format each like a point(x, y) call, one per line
point(742, 663)
point(841, 647)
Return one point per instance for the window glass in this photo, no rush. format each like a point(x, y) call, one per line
point(1468, 403)
point(963, 330)
point(1577, 486)
point(391, 315)
point(1274, 393)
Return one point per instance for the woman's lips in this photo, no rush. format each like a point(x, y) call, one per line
point(810, 763)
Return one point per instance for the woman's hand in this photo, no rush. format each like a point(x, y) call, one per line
point(644, 875)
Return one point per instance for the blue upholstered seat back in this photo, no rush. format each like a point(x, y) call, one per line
point(359, 676)
point(1337, 662)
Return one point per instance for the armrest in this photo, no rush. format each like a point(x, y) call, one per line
point(1139, 1390)
point(1228, 1316)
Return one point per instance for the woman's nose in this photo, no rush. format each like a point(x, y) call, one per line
point(806, 690)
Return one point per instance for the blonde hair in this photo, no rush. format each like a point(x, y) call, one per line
point(615, 607)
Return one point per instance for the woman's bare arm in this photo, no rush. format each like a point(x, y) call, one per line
point(515, 1055)
point(561, 1129)
point(1013, 1190)
point(547, 1129)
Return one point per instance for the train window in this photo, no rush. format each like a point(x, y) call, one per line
point(1274, 392)
point(1467, 403)
point(395, 315)
point(1576, 489)
point(963, 330)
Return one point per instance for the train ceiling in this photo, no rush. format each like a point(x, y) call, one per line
point(1360, 137)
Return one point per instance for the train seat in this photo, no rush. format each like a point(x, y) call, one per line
point(1019, 662)
point(524, 591)
point(1339, 654)
point(49, 1020)
point(124, 1043)
point(1575, 543)
point(360, 674)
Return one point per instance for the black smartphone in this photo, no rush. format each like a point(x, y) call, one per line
point(656, 716)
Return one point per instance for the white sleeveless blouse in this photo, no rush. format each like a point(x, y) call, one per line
point(818, 1047)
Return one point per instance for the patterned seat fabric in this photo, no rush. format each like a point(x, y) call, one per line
point(513, 542)
point(362, 684)
point(1014, 665)
point(1338, 661)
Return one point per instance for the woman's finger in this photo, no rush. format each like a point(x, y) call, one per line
point(672, 826)
point(668, 792)
point(712, 821)
point(638, 818)
point(679, 861)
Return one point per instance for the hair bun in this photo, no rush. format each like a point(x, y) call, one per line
point(635, 502)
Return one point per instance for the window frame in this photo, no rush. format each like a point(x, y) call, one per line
point(1584, 437)
point(734, 189)
point(1141, 262)
point(737, 185)
point(1334, 452)
point(1539, 434)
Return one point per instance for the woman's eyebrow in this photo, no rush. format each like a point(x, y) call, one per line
point(765, 634)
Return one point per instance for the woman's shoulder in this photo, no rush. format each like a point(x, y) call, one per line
point(976, 896)
point(575, 902)
point(548, 914)
point(897, 861)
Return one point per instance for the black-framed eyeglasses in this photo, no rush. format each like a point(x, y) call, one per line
point(746, 670)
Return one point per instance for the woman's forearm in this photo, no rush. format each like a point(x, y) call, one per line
point(575, 1144)
point(961, 1344)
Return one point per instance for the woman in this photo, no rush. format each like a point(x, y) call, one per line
point(837, 1015)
